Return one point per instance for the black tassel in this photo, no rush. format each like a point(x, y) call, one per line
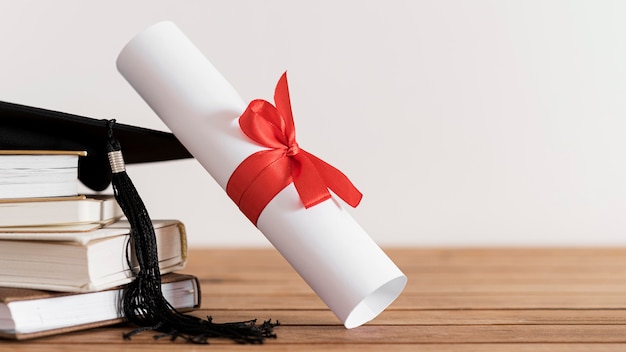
point(143, 302)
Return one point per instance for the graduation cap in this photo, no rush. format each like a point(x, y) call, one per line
point(109, 146)
point(29, 128)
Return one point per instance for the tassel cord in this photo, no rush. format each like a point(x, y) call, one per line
point(143, 303)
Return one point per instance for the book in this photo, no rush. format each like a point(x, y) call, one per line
point(38, 173)
point(58, 214)
point(28, 313)
point(84, 261)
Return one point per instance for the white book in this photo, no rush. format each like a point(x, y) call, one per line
point(27, 313)
point(38, 173)
point(58, 214)
point(84, 261)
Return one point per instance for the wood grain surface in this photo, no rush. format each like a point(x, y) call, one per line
point(481, 299)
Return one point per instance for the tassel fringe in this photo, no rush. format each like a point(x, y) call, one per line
point(143, 302)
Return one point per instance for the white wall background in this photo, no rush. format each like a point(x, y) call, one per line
point(463, 122)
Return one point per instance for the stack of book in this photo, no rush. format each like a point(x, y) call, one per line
point(65, 257)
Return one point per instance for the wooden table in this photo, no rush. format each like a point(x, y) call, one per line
point(456, 300)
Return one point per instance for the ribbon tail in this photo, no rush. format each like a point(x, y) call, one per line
point(335, 180)
point(308, 181)
point(283, 104)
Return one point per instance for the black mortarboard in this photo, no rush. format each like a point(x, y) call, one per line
point(29, 128)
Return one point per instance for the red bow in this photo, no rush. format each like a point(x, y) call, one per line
point(262, 175)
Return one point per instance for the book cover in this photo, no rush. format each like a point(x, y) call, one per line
point(29, 313)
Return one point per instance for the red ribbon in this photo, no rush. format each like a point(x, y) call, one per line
point(262, 175)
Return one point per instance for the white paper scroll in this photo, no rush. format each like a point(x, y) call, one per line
point(324, 244)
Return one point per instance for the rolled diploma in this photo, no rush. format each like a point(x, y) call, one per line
point(324, 244)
